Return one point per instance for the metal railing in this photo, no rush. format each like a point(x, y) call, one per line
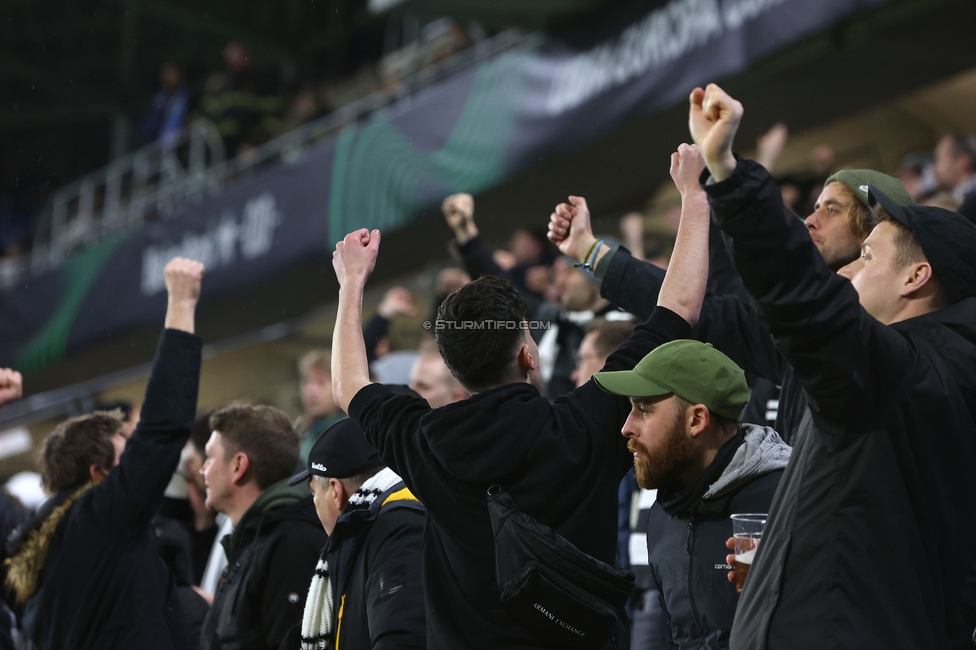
point(157, 182)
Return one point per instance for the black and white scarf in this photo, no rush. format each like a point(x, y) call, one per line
point(320, 604)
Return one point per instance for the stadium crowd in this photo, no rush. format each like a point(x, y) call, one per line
point(616, 397)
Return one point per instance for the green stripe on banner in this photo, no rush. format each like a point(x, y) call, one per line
point(378, 175)
point(78, 275)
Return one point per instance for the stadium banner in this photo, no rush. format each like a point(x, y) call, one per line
point(465, 134)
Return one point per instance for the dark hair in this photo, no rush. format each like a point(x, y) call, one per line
point(265, 435)
point(610, 334)
point(200, 432)
point(480, 355)
point(908, 250)
point(68, 452)
point(964, 144)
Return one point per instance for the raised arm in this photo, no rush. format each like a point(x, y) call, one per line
point(132, 491)
point(354, 259)
point(835, 348)
point(683, 289)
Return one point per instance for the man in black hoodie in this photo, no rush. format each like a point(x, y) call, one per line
point(871, 539)
point(562, 462)
point(87, 568)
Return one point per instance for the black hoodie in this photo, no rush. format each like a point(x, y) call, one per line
point(562, 463)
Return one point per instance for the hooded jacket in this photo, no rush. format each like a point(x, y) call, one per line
point(271, 557)
point(871, 538)
point(562, 463)
point(687, 530)
point(102, 582)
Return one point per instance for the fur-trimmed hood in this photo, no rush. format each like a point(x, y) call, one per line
point(29, 544)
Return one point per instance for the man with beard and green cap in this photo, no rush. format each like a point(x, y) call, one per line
point(688, 443)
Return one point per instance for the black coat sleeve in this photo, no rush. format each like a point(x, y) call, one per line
point(729, 322)
point(395, 584)
point(133, 490)
point(850, 364)
point(290, 564)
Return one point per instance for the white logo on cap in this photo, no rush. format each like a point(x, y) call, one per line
point(863, 188)
point(318, 467)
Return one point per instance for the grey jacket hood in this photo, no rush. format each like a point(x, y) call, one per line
point(761, 452)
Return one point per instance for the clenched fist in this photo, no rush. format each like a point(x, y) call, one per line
point(11, 385)
point(570, 229)
point(713, 120)
point(686, 168)
point(458, 211)
point(183, 279)
point(355, 257)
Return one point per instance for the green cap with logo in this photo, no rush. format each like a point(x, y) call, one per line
point(857, 181)
point(692, 370)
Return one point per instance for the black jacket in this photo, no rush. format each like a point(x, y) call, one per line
point(375, 564)
point(686, 533)
point(271, 557)
point(562, 463)
point(729, 322)
point(871, 539)
point(104, 583)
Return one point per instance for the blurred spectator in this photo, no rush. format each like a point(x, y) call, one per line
point(169, 109)
point(603, 336)
point(307, 105)
point(272, 553)
point(319, 410)
point(915, 173)
point(954, 164)
point(431, 379)
point(799, 190)
point(397, 301)
point(632, 228)
point(244, 104)
point(448, 281)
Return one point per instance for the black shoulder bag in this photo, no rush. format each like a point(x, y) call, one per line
point(565, 597)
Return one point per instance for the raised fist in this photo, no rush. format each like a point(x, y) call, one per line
point(713, 120)
point(183, 279)
point(458, 210)
point(570, 229)
point(355, 256)
point(11, 385)
point(687, 165)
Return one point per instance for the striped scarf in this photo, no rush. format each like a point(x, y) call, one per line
point(320, 603)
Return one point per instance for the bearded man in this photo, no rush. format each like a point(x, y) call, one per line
point(689, 445)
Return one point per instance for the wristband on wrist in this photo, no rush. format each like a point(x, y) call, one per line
point(590, 251)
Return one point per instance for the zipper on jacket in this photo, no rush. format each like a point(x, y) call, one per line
point(689, 581)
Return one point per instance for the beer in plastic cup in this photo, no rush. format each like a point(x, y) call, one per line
point(747, 530)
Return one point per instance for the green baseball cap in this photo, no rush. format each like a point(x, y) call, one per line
point(857, 181)
point(692, 370)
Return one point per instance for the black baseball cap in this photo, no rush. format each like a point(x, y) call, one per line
point(340, 452)
point(947, 238)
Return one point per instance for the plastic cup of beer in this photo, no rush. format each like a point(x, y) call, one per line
point(747, 530)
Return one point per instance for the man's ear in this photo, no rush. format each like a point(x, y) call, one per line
point(698, 418)
point(240, 466)
point(918, 276)
point(338, 495)
point(526, 361)
point(97, 473)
